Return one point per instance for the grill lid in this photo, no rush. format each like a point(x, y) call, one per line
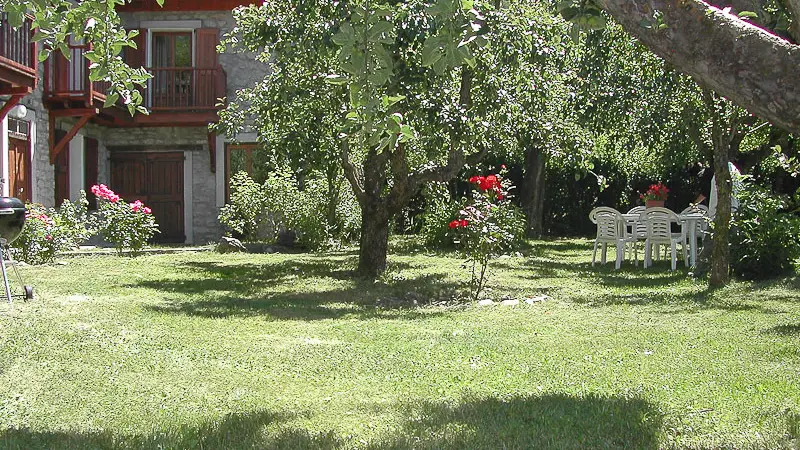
point(11, 202)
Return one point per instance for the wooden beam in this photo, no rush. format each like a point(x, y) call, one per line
point(10, 103)
point(74, 112)
point(19, 90)
point(55, 150)
point(212, 151)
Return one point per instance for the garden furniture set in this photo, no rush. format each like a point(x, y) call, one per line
point(654, 226)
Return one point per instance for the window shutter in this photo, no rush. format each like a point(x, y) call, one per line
point(207, 67)
point(135, 57)
point(207, 40)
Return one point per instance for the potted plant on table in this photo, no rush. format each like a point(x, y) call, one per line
point(655, 196)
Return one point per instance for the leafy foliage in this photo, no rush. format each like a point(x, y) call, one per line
point(59, 22)
point(262, 211)
point(127, 226)
point(244, 212)
point(765, 238)
point(48, 231)
point(488, 226)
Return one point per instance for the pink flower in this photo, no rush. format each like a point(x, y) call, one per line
point(147, 210)
point(49, 237)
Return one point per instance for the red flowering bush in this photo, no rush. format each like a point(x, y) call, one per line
point(48, 231)
point(126, 225)
point(487, 226)
point(656, 192)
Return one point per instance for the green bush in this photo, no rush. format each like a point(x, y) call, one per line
point(244, 212)
point(129, 226)
point(321, 217)
point(765, 239)
point(440, 209)
point(49, 231)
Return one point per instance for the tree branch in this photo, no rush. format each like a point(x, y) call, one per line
point(353, 173)
point(748, 65)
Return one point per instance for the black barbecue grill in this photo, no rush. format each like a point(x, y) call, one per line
point(12, 219)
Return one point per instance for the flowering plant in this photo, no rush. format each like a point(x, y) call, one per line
point(126, 225)
point(656, 192)
point(48, 231)
point(487, 226)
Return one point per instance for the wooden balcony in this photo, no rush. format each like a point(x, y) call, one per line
point(17, 57)
point(175, 96)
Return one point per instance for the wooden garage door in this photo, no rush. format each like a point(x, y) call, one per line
point(19, 170)
point(157, 180)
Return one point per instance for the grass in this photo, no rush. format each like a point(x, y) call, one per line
point(200, 350)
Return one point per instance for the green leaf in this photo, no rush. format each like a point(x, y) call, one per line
point(111, 99)
point(345, 36)
point(748, 15)
point(378, 29)
point(431, 53)
point(336, 79)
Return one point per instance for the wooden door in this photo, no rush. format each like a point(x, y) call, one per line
point(165, 194)
point(157, 180)
point(19, 170)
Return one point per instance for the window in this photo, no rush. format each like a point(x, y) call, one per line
point(172, 69)
point(18, 128)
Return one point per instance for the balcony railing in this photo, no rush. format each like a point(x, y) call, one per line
point(68, 79)
point(179, 89)
point(17, 48)
point(184, 88)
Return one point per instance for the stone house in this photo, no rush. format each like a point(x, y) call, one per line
point(58, 139)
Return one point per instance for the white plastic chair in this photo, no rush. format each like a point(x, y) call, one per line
point(639, 233)
point(701, 229)
point(659, 231)
point(611, 229)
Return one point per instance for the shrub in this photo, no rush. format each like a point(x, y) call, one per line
point(126, 225)
point(49, 231)
point(765, 239)
point(263, 211)
point(244, 213)
point(488, 226)
point(440, 208)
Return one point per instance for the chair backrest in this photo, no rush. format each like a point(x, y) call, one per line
point(610, 224)
point(702, 225)
point(659, 222)
point(640, 228)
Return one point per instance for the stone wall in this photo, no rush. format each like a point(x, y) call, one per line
point(43, 183)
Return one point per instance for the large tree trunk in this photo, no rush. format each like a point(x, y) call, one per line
point(746, 64)
point(374, 245)
point(721, 253)
point(532, 192)
point(724, 124)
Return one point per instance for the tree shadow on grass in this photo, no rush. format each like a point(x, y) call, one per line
point(792, 329)
point(233, 431)
point(548, 421)
point(319, 290)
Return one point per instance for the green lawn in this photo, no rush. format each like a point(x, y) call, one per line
point(200, 350)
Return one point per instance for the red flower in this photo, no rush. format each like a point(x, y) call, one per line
point(499, 196)
point(454, 224)
point(463, 223)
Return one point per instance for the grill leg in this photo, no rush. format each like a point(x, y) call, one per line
point(5, 276)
